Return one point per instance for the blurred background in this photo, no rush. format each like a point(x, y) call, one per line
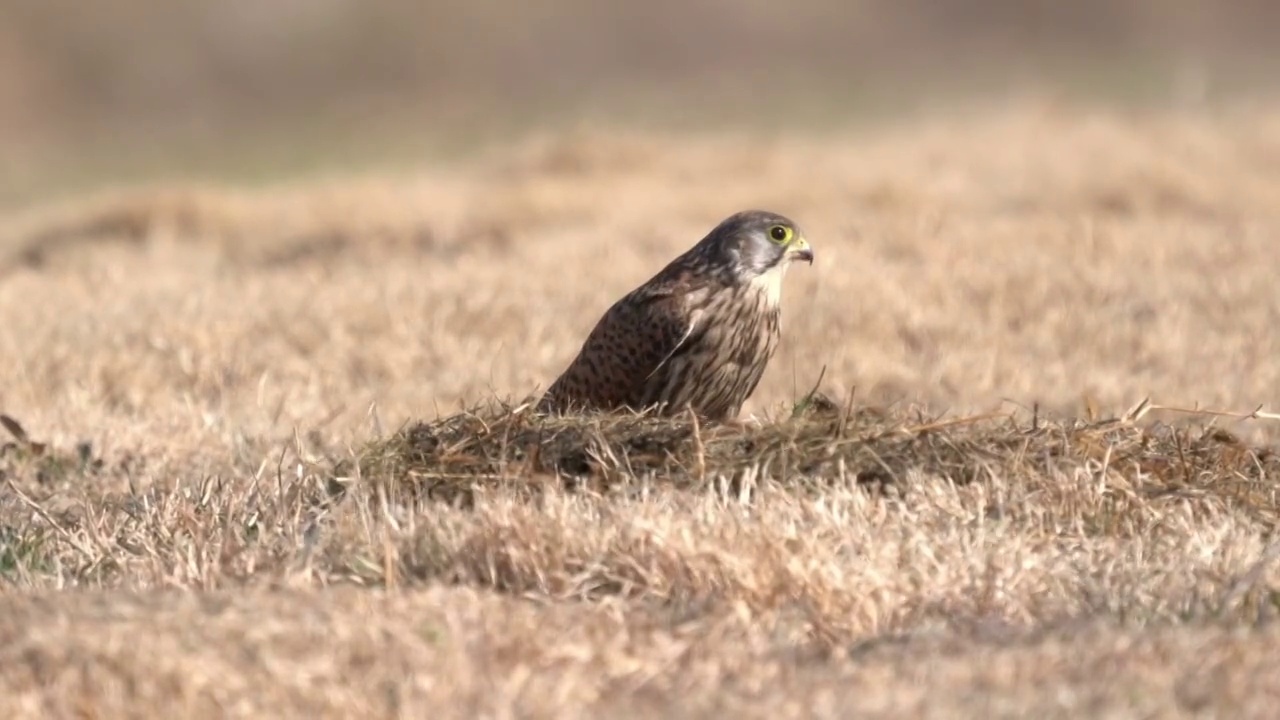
point(96, 94)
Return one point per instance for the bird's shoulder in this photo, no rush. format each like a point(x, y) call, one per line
point(648, 323)
point(635, 336)
point(674, 296)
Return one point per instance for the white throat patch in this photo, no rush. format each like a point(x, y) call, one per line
point(769, 283)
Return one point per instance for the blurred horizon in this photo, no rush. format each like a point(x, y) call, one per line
point(93, 96)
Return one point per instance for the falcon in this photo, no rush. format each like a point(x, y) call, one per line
point(697, 336)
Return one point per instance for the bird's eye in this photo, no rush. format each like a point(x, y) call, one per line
point(780, 233)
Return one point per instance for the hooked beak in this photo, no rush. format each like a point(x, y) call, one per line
point(800, 250)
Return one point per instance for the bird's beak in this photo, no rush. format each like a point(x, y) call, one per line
point(800, 250)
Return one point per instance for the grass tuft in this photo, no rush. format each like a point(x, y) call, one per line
point(507, 448)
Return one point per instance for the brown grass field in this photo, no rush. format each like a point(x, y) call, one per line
point(273, 458)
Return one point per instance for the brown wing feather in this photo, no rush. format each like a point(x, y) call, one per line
point(630, 342)
point(722, 361)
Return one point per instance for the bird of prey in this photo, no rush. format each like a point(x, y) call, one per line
point(697, 335)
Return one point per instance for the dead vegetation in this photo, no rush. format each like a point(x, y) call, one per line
point(632, 564)
point(820, 443)
point(247, 471)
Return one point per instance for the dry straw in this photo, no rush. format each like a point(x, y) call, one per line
point(819, 444)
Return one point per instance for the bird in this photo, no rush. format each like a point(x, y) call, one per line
point(697, 335)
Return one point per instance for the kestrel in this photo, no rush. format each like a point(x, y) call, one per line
point(697, 335)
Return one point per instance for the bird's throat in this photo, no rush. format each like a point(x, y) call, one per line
point(769, 284)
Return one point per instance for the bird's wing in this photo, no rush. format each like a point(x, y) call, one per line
point(692, 323)
point(638, 336)
point(675, 322)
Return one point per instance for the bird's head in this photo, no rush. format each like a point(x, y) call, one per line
point(752, 243)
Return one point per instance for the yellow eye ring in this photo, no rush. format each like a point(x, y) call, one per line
point(780, 234)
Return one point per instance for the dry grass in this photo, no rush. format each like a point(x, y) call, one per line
point(271, 457)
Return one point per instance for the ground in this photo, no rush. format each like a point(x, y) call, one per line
point(269, 454)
